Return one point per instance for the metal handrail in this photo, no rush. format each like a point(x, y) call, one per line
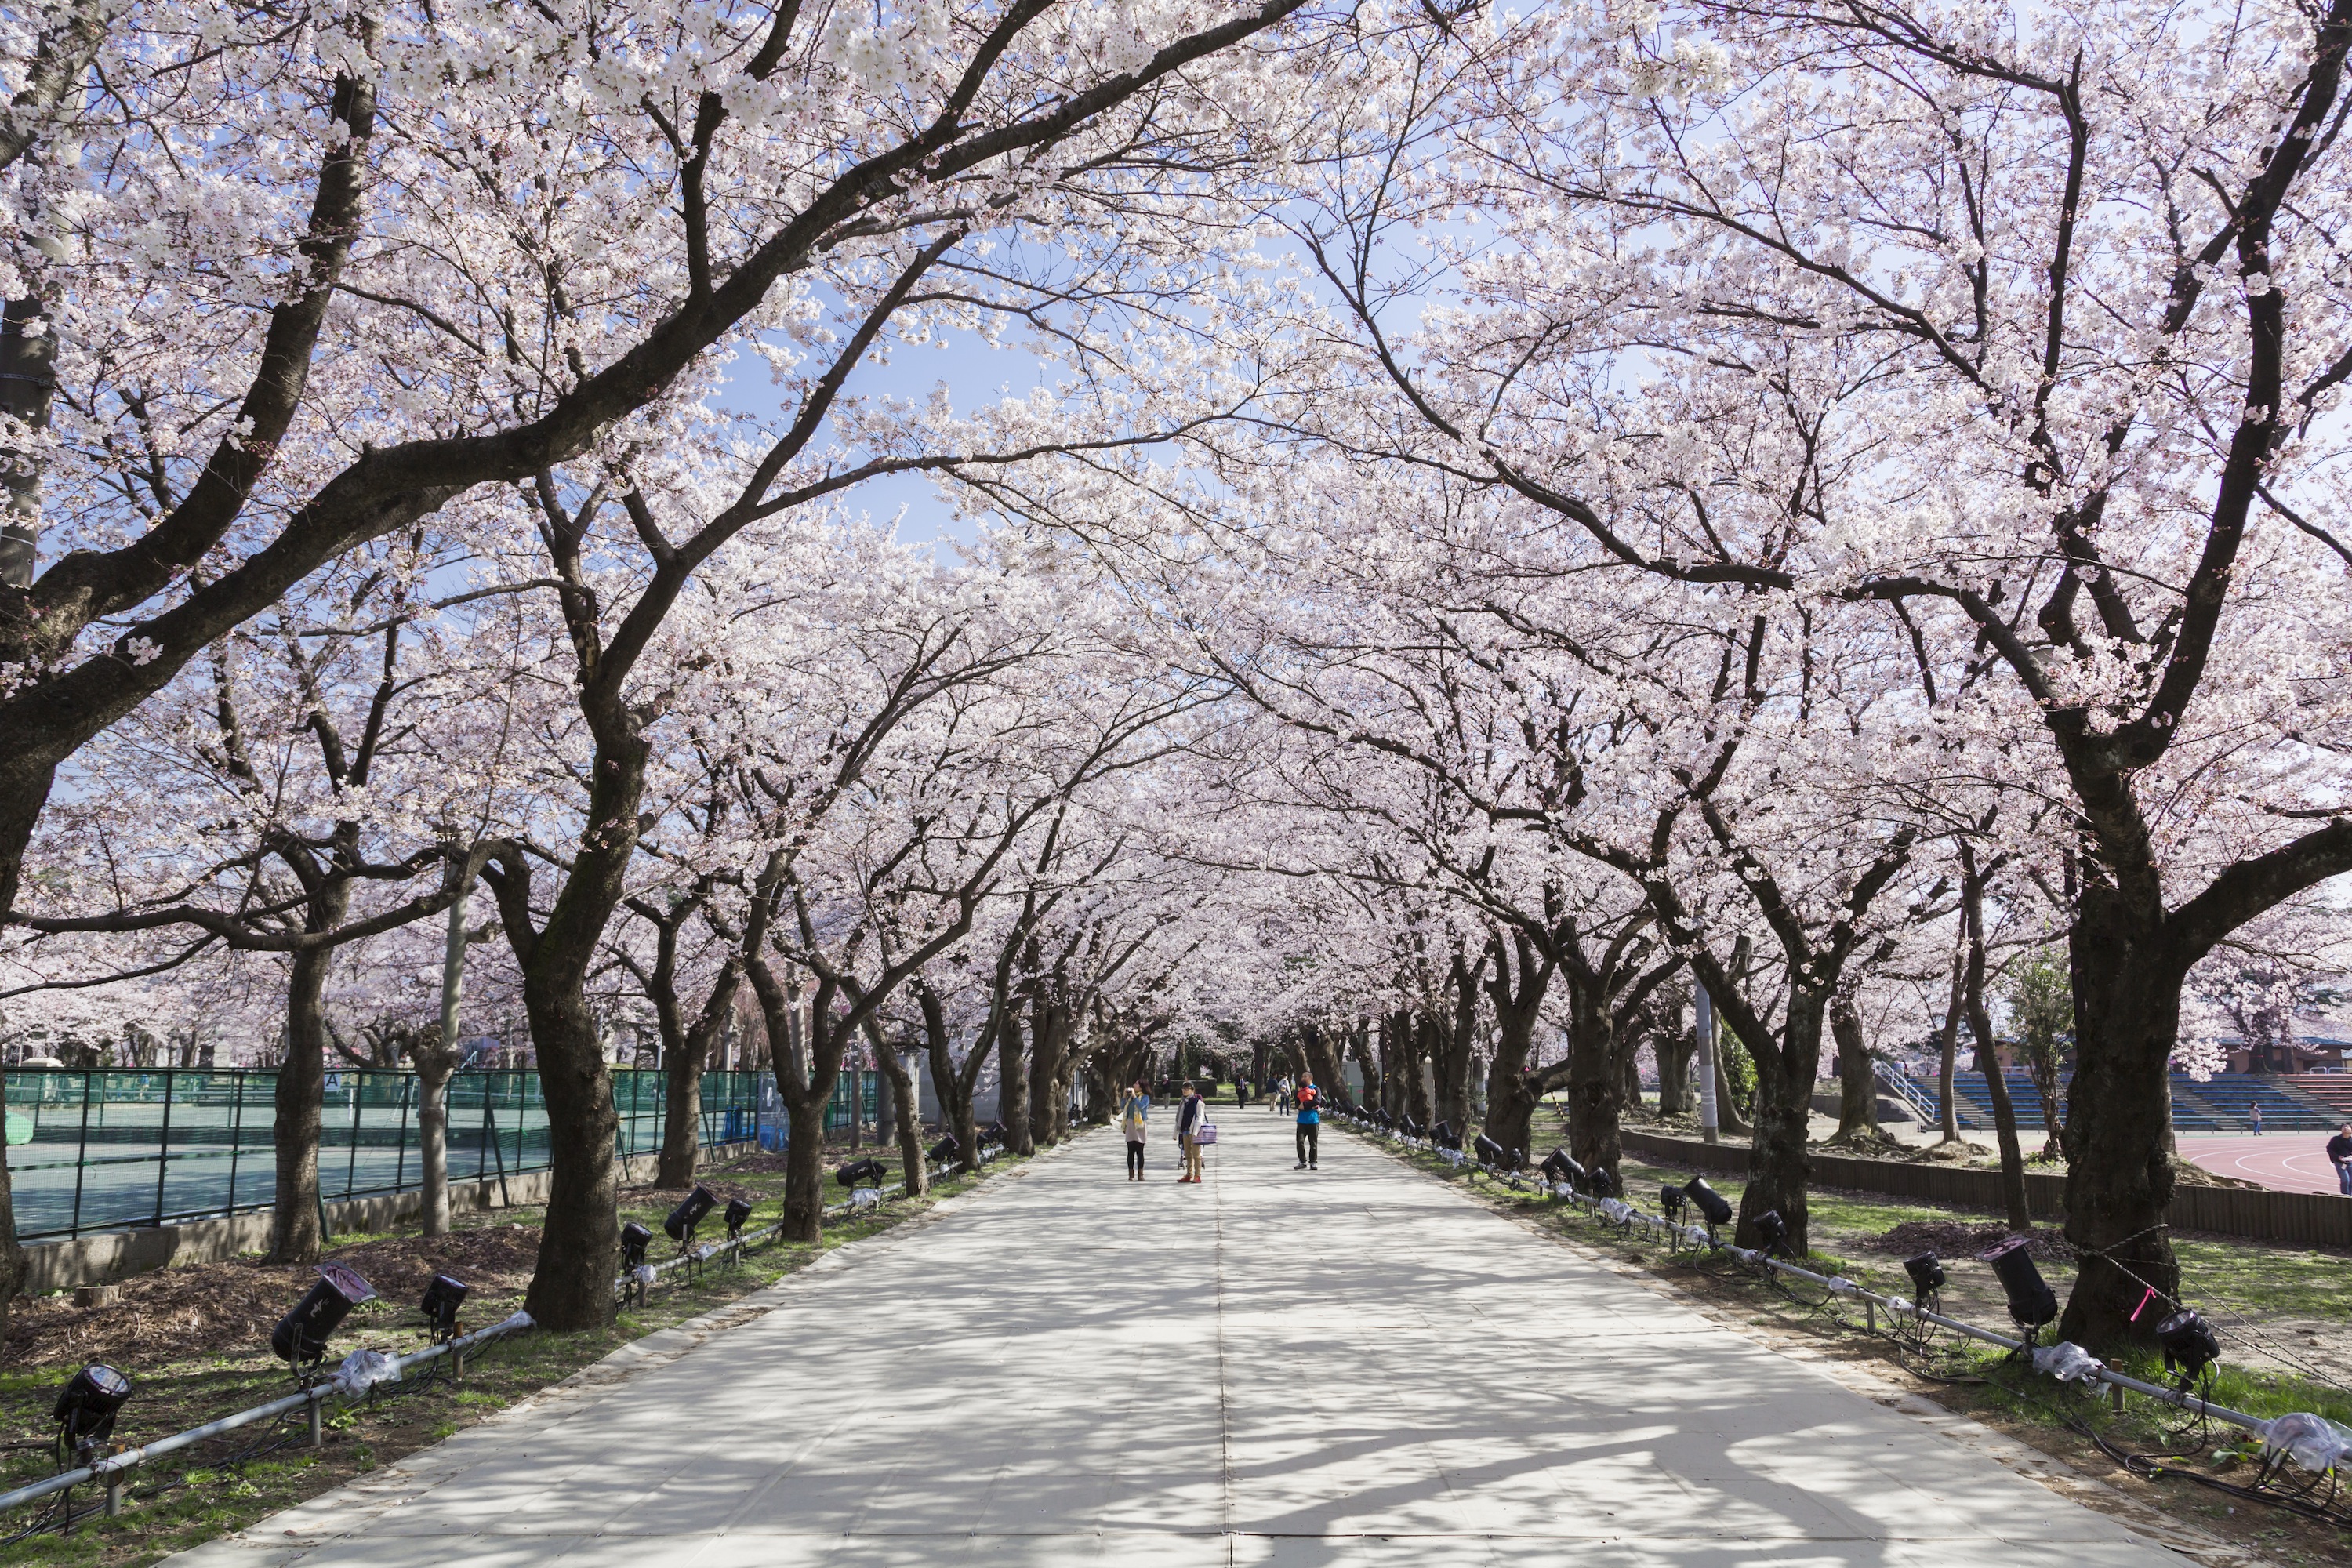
point(111, 1467)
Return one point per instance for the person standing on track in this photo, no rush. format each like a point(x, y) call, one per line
point(1310, 1120)
point(1132, 1114)
point(2254, 1114)
point(2339, 1155)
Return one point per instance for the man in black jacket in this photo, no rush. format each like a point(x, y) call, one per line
point(2339, 1155)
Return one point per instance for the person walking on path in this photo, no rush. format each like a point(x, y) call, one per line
point(1240, 1093)
point(1189, 1116)
point(2255, 1113)
point(1133, 1113)
point(1310, 1120)
point(2339, 1155)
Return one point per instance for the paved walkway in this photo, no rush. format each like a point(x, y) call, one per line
point(1351, 1366)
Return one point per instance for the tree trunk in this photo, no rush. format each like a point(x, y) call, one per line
point(1013, 1084)
point(435, 1061)
point(1417, 1076)
point(1457, 1045)
point(1727, 1110)
point(12, 1251)
point(1323, 1061)
point(1675, 1049)
point(1948, 1042)
point(1359, 1051)
point(1511, 1082)
point(682, 1065)
point(1592, 1124)
point(294, 1232)
point(1778, 1169)
point(1857, 1083)
point(2004, 1115)
point(907, 1124)
point(804, 1170)
point(1049, 1094)
point(2120, 1171)
point(580, 1239)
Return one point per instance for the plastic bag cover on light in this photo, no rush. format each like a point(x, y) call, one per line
point(2067, 1361)
point(1617, 1209)
point(363, 1370)
point(2313, 1442)
point(864, 1197)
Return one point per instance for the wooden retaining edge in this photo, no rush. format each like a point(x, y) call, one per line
point(2307, 1219)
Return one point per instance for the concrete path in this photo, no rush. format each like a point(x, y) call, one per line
point(1355, 1366)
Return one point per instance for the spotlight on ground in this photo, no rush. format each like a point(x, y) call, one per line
point(946, 1149)
point(2190, 1345)
point(739, 1213)
point(865, 1173)
point(443, 1296)
point(1712, 1206)
point(300, 1337)
point(1599, 1182)
point(1489, 1152)
point(86, 1408)
point(1774, 1230)
point(2032, 1304)
point(1670, 1198)
point(1559, 1165)
point(1927, 1272)
point(691, 1210)
point(635, 1239)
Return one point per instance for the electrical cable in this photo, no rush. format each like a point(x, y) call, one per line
point(2150, 1467)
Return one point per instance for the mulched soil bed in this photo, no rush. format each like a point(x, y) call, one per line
point(178, 1313)
point(1955, 1238)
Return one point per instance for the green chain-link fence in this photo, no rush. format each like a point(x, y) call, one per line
point(106, 1150)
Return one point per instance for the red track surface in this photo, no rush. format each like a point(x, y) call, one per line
point(2291, 1162)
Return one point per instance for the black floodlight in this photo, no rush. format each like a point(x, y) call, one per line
point(443, 1296)
point(635, 1239)
point(1517, 1162)
point(300, 1336)
point(1670, 1199)
point(739, 1213)
point(1712, 1206)
point(1773, 1229)
point(86, 1408)
point(993, 1135)
point(690, 1212)
point(2032, 1304)
point(1927, 1272)
point(946, 1149)
point(1413, 1129)
point(1489, 1152)
point(865, 1173)
point(1598, 1182)
point(1555, 1166)
point(2190, 1345)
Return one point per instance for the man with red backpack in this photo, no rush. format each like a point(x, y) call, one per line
point(1310, 1120)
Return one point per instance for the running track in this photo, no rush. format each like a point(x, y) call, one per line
point(2291, 1162)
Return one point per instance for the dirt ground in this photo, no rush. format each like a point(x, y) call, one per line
point(175, 1314)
